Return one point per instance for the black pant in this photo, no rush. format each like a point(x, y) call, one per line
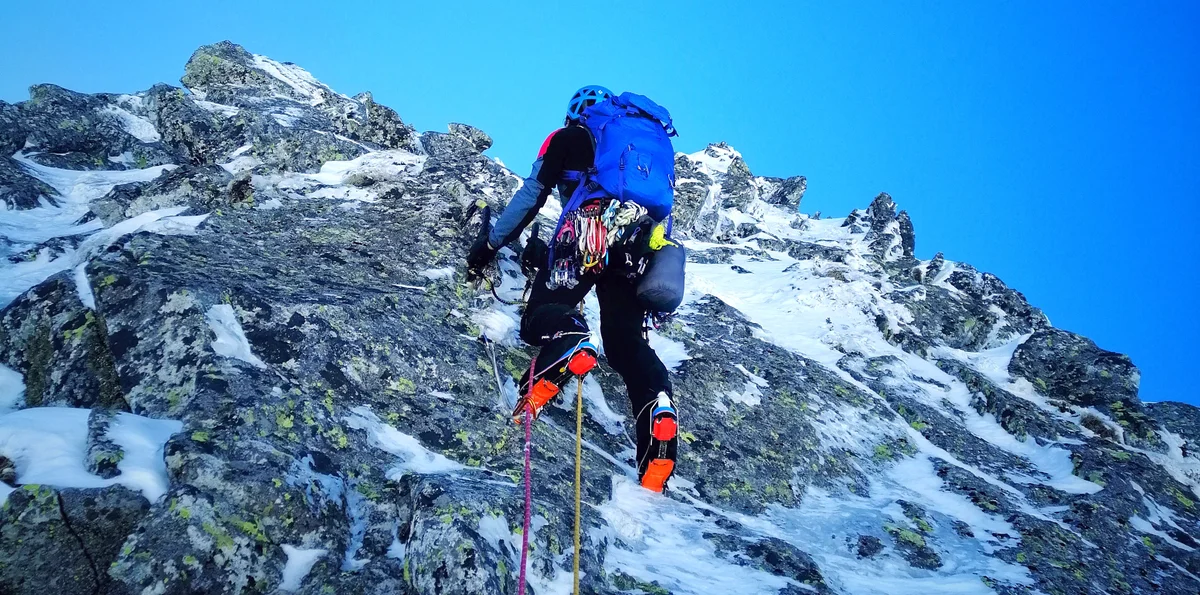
point(550, 311)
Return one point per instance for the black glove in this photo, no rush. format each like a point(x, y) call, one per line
point(534, 256)
point(479, 257)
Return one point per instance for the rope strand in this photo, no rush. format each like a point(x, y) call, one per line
point(578, 473)
point(528, 481)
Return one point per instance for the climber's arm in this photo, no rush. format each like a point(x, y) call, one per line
point(530, 199)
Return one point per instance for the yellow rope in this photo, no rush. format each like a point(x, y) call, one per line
point(578, 470)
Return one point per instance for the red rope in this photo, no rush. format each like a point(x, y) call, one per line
point(528, 478)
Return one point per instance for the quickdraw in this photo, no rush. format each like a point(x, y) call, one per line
point(593, 244)
point(582, 244)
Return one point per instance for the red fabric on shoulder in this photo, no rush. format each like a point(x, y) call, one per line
point(546, 145)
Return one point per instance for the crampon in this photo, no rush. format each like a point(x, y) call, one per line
point(568, 357)
point(663, 429)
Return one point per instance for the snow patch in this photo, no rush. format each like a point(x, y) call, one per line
point(378, 165)
point(435, 274)
point(750, 396)
point(19, 277)
point(299, 79)
point(48, 445)
point(715, 159)
point(299, 563)
point(658, 539)
point(824, 523)
point(598, 409)
point(75, 190)
point(142, 440)
point(397, 550)
point(138, 127)
point(182, 225)
point(231, 339)
point(670, 352)
point(216, 108)
point(497, 324)
point(754, 378)
point(83, 287)
point(12, 389)
point(241, 163)
point(414, 458)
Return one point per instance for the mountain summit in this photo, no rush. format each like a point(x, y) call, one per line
point(237, 355)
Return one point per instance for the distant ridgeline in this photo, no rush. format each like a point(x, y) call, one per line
point(237, 355)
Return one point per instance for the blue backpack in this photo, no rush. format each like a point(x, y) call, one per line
point(634, 157)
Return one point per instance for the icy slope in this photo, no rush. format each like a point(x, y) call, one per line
point(267, 275)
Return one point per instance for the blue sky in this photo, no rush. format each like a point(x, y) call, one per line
point(1056, 144)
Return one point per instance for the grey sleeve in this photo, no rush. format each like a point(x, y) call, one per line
point(520, 211)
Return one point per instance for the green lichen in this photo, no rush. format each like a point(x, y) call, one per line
point(1184, 500)
point(883, 452)
point(200, 436)
point(403, 385)
point(905, 535)
point(223, 540)
point(254, 529)
point(367, 489)
point(338, 438)
point(284, 420)
point(111, 458)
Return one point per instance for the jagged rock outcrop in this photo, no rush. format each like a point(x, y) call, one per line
point(854, 420)
point(715, 188)
point(1072, 369)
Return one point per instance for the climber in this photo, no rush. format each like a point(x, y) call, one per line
point(605, 243)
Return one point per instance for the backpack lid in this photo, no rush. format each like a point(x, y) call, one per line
point(632, 103)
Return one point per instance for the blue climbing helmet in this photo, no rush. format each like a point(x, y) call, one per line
point(584, 98)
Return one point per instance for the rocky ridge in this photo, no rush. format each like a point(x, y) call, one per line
point(262, 277)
